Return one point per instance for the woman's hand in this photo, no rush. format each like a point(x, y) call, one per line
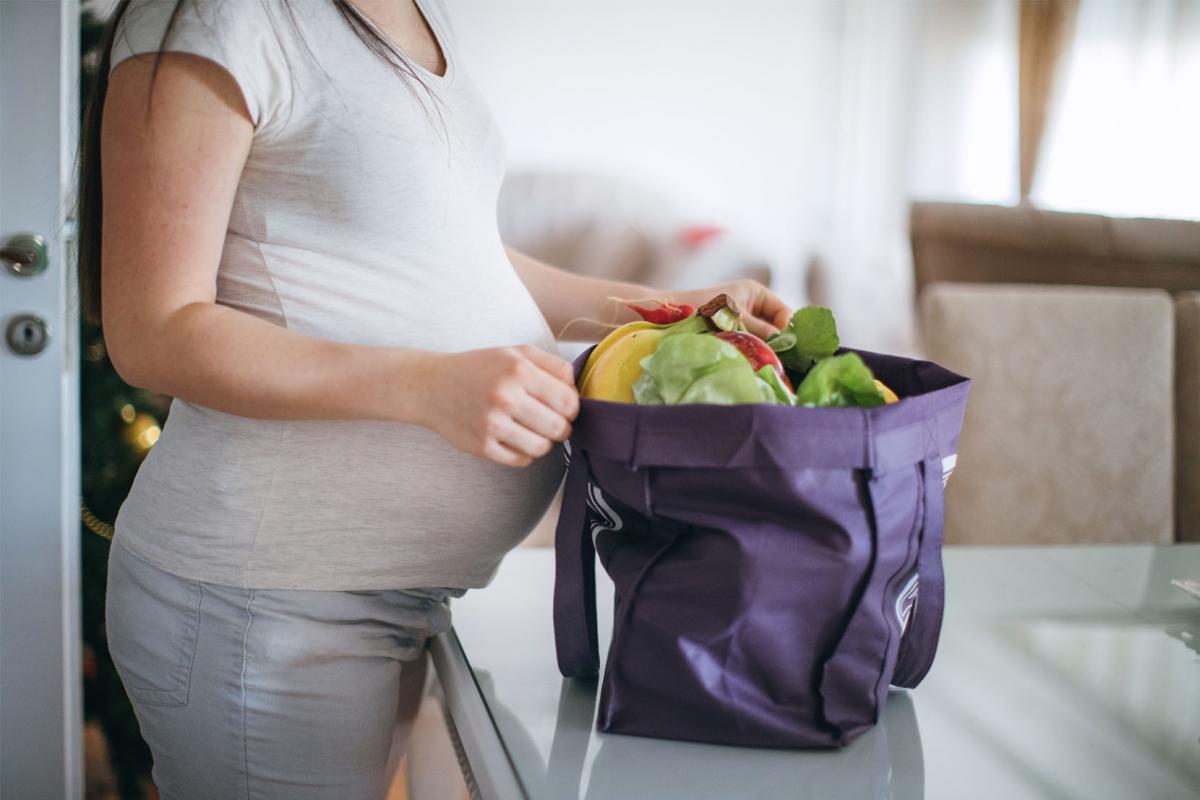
point(505, 404)
point(763, 313)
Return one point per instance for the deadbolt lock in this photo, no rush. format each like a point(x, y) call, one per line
point(27, 334)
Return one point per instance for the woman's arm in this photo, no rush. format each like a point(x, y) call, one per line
point(170, 172)
point(171, 168)
point(582, 308)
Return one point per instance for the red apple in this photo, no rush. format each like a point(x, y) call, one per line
point(756, 351)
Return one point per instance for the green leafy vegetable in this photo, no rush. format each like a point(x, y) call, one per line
point(645, 391)
point(728, 385)
point(769, 376)
point(726, 320)
point(699, 368)
point(839, 381)
point(690, 365)
point(692, 324)
point(782, 341)
point(809, 336)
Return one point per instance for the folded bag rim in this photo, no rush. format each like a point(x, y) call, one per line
point(770, 436)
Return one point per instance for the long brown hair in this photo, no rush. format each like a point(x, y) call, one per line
point(89, 212)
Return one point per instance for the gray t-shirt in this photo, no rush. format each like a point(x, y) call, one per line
point(360, 216)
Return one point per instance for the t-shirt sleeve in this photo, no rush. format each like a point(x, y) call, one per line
point(241, 36)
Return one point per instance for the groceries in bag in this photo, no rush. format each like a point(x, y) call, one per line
point(775, 568)
point(677, 354)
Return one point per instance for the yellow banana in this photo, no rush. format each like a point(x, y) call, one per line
point(888, 395)
point(608, 341)
point(618, 367)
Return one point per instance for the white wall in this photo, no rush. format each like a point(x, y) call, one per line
point(806, 125)
point(729, 107)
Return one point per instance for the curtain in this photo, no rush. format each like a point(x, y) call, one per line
point(1044, 34)
point(1123, 135)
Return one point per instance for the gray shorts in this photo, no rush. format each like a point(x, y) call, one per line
point(268, 693)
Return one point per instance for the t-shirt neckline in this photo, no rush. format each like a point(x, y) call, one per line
point(439, 39)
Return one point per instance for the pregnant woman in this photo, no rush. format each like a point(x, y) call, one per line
point(296, 239)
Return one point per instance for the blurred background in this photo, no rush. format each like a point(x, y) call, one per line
point(1010, 187)
point(805, 128)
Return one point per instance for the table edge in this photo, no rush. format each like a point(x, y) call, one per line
point(490, 763)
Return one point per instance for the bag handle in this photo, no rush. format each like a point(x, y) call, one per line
point(843, 681)
point(920, 641)
point(575, 637)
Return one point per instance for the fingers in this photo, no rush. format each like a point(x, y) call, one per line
point(551, 363)
point(547, 387)
point(522, 440)
point(528, 407)
point(759, 328)
point(541, 419)
point(517, 440)
point(782, 316)
point(772, 309)
point(494, 450)
point(768, 315)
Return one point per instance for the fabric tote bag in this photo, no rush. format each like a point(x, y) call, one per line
point(776, 569)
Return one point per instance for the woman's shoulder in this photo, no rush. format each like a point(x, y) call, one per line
point(247, 38)
point(147, 24)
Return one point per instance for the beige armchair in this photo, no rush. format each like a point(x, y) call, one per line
point(1069, 430)
point(1092, 394)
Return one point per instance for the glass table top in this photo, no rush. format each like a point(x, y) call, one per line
point(1062, 672)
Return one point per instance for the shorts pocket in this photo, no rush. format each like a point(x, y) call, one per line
point(152, 618)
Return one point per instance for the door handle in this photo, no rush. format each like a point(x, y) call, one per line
point(24, 254)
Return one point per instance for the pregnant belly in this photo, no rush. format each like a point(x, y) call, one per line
point(391, 482)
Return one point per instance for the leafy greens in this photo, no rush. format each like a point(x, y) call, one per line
point(809, 336)
point(843, 380)
point(699, 368)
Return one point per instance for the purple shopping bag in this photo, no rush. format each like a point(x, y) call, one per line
point(776, 568)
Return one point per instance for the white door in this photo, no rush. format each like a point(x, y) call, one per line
point(40, 682)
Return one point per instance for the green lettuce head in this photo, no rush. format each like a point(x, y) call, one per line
point(843, 380)
point(699, 368)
